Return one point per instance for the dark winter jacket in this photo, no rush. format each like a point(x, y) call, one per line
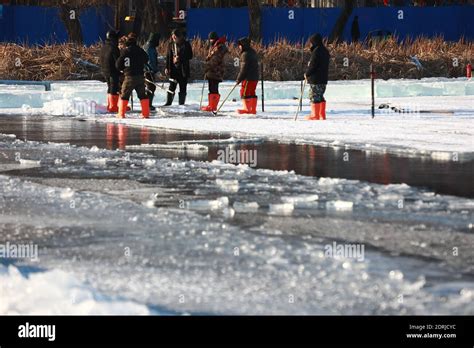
point(108, 56)
point(184, 52)
point(248, 62)
point(318, 66)
point(132, 61)
point(215, 60)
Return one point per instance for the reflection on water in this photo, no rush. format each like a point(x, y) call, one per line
point(447, 177)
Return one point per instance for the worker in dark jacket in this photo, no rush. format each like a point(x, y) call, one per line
point(215, 69)
point(248, 76)
point(179, 54)
point(152, 67)
point(317, 76)
point(108, 56)
point(132, 62)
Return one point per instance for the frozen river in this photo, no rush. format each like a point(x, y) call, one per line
point(126, 229)
point(137, 232)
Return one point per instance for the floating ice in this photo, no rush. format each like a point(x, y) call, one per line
point(67, 193)
point(442, 156)
point(177, 146)
point(339, 205)
point(300, 198)
point(228, 185)
point(395, 275)
point(29, 163)
point(281, 209)
point(230, 140)
point(216, 204)
point(245, 207)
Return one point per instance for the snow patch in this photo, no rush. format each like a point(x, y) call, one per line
point(55, 292)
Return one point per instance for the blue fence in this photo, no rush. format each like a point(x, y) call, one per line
point(452, 22)
point(39, 25)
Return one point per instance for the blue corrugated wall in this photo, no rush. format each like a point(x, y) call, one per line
point(452, 22)
point(39, 25)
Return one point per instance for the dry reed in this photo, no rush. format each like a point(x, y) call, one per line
point(282, 61)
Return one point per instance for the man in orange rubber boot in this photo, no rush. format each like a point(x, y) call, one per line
point(108, 56)
point(215, 69)
point(132, 62)
point(317, 76)
point(248, 76)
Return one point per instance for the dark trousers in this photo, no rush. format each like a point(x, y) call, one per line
point(182, 82)
point(316, 93)
point(150, 87)
point(113, 84)
point(214, 86)
point(136, 83)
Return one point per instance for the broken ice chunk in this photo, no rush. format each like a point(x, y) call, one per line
point(228, 185)
point(301, 198)
point(339, 205)
point(281, 209)
point(242, 207)
point(216, 204)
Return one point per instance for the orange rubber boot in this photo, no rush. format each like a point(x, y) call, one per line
point(145, 103)
point(109, 102)
point(208, 106)
point(322, 111)
point(112, 103)
point(215, 98)
point(246, 108)
point(122, 108)
point(213, 102)
point(253, 106)
point(315, 107)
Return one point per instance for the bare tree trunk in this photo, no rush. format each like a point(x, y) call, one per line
point(338, 30)
point(153, 17)
point(70, 18)
point(255, 20)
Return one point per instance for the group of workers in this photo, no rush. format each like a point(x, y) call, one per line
point(127, 67)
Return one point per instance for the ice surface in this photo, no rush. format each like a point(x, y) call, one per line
point(219, 265)
point(349, 124)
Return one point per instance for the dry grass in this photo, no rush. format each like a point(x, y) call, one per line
point(282, 61)
point(49, 62)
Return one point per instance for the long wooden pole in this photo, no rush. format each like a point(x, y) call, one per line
point(302, 65)
point(263, 90)
point(301, 99)
point(372, 88)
